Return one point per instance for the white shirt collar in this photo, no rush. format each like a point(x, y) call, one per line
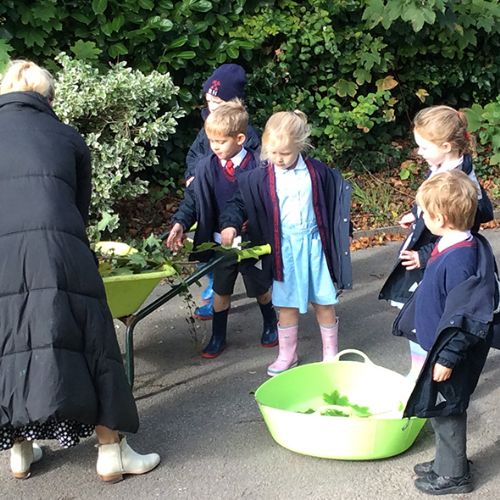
point(446, 165)
point(453, 238)
point(301, 165)
point(236, 159)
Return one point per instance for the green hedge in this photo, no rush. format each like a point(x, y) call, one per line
point(359, 69)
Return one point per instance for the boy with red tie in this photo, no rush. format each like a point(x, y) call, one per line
point(215, 183)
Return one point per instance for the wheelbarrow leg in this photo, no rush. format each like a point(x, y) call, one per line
point(130, 322)
point(129, 354)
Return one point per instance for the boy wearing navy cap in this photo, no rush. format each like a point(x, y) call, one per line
point(225, 83)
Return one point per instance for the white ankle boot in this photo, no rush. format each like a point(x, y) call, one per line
point(22, 455)
point(114, 460)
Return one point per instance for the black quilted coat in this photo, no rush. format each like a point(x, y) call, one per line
point(58, 351)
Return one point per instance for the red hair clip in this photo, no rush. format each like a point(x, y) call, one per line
point(467, 136)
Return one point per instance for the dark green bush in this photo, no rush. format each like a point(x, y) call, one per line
point(359, 68)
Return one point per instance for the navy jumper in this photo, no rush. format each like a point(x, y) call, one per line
point(462, 340)
point(399, 282)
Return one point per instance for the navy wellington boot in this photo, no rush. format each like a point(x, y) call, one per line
point(269, 337)
point(217, 342)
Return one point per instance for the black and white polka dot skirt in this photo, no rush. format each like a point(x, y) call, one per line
point(67, 432)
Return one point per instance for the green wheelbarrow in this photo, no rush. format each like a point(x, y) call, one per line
point(125, 294)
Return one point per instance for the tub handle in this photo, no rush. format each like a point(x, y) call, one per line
point(366, 359)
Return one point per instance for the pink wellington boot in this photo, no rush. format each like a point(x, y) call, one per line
point(287, 356)
point(329, 337)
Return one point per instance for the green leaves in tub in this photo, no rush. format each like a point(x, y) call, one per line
point(352, 410)
point(340, 406)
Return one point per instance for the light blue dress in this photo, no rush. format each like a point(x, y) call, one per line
point(305, 270)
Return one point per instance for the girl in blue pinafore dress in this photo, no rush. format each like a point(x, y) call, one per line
point(299, 203)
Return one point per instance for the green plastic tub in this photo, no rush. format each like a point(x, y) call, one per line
point(126, 293)
point(284, 399)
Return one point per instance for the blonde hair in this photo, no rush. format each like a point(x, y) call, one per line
point(440, 124)
point(286, 127)
point(23, 76)
point(229, 119)
point(451, 194)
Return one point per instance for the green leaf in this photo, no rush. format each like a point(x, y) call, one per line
point(186, 54)
point(44, 12)
point(32, 37)
point(79, 16)
point(5, 49)
point(85, 50)
point(373, 12)
point(117, 22)
point(245, 44)
point(344, 88)
point(201, 6)
point(99, 6)
point(117, 49)
point(107, 219)
point(147, 4)
point(232, 51)
point(404, 174)
point(474, 117)
point(495, 159)
point(185, 95)
point(362, 76)
point(160, 23)
point(178, 42)
point(200, 27)
point(415, 15)
point(113, 25)
point(336, 399)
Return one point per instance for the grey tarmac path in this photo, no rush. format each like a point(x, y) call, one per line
point(200, 415)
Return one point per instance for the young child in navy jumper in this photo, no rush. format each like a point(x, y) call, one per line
point(301, 207)
point(216, 181)
point(451, 317)
point(443, 141)
point(225, 83)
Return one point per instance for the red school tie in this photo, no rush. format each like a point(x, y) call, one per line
point(230, 168)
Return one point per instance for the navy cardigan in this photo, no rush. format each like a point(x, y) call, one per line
point(257, 201)
point(463, 338)
point(399, 281)
point(200, 204)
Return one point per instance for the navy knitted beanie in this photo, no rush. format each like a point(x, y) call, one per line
point(227, 82)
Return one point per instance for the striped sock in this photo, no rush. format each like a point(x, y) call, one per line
point(418, 356)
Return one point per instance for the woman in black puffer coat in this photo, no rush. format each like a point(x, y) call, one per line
point(61, 372)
